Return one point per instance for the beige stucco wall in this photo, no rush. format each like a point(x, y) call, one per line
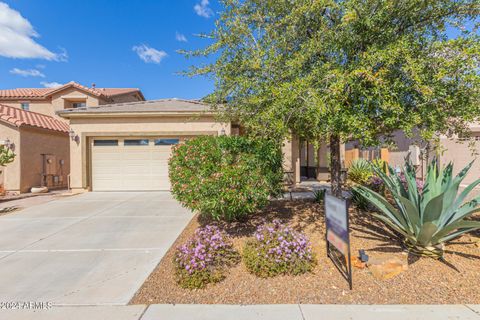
point(11, 173)
point(291, 160)
point(153, 125)
point(62, 99)
point(39, 106)
point(34, 143)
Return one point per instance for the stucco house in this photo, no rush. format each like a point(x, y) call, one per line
point(71, 95)
point(126, 146)
point(40, 139)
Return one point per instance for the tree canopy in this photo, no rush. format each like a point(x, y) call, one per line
point(346, 69)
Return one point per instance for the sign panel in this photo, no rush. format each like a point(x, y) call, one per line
point(337, 235)
point(337, 222)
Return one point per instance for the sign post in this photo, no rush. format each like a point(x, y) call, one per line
point(338, 235)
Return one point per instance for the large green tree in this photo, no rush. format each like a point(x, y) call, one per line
point(346, 69)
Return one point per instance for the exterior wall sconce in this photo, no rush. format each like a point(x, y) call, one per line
point(73, 136)
point(222, 132)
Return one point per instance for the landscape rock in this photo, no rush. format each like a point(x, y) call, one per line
point(357, 263)
point(387, 267)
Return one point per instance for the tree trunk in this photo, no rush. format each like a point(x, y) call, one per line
point(335, 166)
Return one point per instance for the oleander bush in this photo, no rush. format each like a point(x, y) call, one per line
point(226, 177)
point(278, 249)
point(204, 258)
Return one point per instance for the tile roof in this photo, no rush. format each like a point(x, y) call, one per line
point(42, 93)
point(19, 117)
point(162, 105)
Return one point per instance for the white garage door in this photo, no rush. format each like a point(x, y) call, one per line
point(131, 164)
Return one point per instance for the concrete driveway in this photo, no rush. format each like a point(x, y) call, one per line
point(91, 249)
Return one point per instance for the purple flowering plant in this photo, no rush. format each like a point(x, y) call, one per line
point(204, 258)
point(278, 249)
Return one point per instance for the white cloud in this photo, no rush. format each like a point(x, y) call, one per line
point(51, 84)
point(17, 37)
point(27, 72)
point(180, 37)
point(202, 9)
point(149, 54)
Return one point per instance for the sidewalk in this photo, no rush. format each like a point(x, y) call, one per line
point(250, 312)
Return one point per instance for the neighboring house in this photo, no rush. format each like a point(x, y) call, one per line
point(71, 95)
point(41, 146)
point(40, 138)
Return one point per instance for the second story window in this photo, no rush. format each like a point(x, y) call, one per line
point(25, 106)
point(78, 104)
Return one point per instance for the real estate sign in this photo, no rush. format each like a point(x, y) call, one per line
point(336, 217)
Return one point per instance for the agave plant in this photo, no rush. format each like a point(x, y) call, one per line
point(427, 219)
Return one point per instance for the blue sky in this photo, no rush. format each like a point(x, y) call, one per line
point(103, 42)
point(112, 43)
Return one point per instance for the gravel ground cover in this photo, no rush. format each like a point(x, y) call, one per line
point(426, 281)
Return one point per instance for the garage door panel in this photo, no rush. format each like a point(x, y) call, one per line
point(130, 168)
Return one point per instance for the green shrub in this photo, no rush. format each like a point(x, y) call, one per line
point(429, 215)
point(278, 249)
point(319, 195)
point(204, 258)
point(360, 171)
point(226, 177)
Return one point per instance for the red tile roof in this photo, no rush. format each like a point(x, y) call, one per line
point(42, 93)
point(19, 117)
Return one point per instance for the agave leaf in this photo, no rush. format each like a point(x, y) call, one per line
point(426, 232)
point(433, 209)
point(466, 210)
point(392, 182)
point(432, 187)
point(456, 234)
point(448, 215)
point(411, 178)
point(382, 204)
point(446, 175)
point(392, 225)
point(454, 226)
point(452, 189)
point(412, 214)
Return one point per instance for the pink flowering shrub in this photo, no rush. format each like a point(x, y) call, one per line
point(226, 177)
point(204, 258)
point(278, 249)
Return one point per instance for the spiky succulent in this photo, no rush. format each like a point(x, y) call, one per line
point(430, 217)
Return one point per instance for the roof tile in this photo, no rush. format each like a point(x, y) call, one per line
point(25, 93)
point(19, 117)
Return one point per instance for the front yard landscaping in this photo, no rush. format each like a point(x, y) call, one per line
point(425, 280)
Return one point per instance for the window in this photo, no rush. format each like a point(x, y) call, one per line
point(135, 142)
point(166, 142)
point(79, 104)
point(105, 143)
point(25, 106)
